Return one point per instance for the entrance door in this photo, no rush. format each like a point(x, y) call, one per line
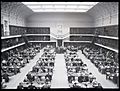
point(59, 42)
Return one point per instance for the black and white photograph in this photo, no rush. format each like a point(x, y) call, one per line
point(59, 45)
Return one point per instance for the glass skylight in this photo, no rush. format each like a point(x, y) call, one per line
point(60, 6)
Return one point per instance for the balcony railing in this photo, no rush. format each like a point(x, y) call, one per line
point(59, 36)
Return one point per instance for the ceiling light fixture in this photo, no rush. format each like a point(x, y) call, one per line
point(60, 6)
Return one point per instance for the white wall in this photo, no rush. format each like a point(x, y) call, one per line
point(107, 20)
point(13, 18)
point(105, 14)
point(59, 21)
point(15, 13)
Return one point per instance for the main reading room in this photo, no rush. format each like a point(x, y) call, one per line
point(47, 45)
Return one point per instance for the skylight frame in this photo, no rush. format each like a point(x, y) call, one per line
point(60, 6)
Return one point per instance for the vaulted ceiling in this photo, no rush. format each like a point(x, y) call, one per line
point(98, 10)
point(104, 9)
point(60, 6)
point(15, 7)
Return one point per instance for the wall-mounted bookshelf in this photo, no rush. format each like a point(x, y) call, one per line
point(108, 30)
point(108, 37)
point(9, 48)
point(82, 30)
point(115, 50)
point(82, 35)
point(79, 41)
point(7, 37)
point(104, 36)
point(38, 30)
point(41, 41)
point(44, 43)
point(15, 39)
point(37, 34)
point(81, 38)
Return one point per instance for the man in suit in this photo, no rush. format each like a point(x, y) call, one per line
point(80, 78)
point(30, 77)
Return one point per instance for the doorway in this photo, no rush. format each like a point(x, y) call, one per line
point(59, 42)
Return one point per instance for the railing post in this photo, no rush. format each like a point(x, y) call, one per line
point(63, 43)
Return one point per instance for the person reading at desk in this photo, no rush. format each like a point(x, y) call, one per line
point(99, 86)
point(46, 86)
point(43, 69)
point(16, 69)
point(94, 83)
point(4, 63)
point(80, 78)
point(31, 86)
point(107, 71)
point(74, 80)
point(91, 77)
point(75, 86)
point(20, 86)
point(49, 76)
point(30, 77)
point(85, 67)
point(6, 77)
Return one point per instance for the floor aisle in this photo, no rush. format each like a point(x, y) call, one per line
point(99, 77)
point(59, 79)
point(16, 79)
